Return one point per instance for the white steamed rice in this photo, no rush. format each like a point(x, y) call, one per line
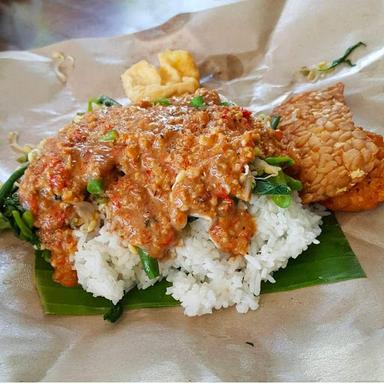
point(202, 277)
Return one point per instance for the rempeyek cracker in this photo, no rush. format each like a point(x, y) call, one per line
point(177, 75)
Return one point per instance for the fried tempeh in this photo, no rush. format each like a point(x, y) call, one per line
point(332, 154)
point(368, 193)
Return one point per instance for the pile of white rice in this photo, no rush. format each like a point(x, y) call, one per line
point(202, 277)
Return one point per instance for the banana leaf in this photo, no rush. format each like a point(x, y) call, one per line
point(330, 261)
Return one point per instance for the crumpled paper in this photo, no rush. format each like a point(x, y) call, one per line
point(250, 52)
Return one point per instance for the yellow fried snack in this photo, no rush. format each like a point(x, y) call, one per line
point(333, 154)
point(177, 75)
point(180, 62)
point(142, 73)
point(367, 194)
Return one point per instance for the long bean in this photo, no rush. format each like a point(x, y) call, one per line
point(150, 264)
point(114, 312)
point(24, 229)
point(275, 121)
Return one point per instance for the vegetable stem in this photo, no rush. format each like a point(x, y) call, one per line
point(28, 218)
point(150, 264)
point(294, 184)
point(24, 229)
point(275, 121)
point(114, 312)
point(282, 161)
point(344, 58)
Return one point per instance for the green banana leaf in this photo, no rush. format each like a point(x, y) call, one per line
point(330, 261)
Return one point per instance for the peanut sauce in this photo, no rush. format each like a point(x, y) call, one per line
point(165, 163)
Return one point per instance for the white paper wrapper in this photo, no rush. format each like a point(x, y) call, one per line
point(249, 51)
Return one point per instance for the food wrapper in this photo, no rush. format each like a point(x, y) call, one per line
point(251, 51)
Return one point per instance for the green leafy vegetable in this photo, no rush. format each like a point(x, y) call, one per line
point(275, 121)
point(197, 102)
point(107, 101)
point(162, 101)
point(109, 136)
point(226, 103)
point(12, 203)
point(12, 214)
point(281, 161)
point(279, 187)
point(7, 187)
point(330, 261)
point(281, 200)
point(114, 312)
point(150, 264)
point(101, 100)
point(95, 186)
point(343, 59)
point(270, 187)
